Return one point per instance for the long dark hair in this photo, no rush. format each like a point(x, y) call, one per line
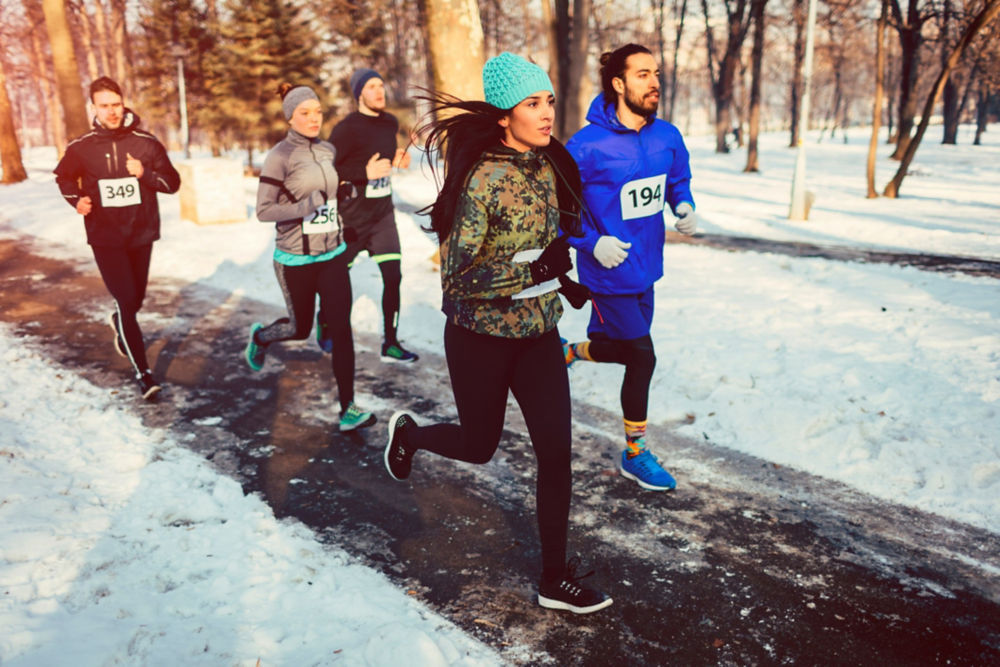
point(463, 131)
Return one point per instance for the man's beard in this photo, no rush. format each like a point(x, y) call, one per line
point(638, 105)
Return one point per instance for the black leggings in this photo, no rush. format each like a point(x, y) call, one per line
point(391, 277)
point(483, 369)
point(300, 285)
point(639, 360)
point(125, 272)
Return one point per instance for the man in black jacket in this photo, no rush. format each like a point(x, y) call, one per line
point(366, 155)
point(111, 176)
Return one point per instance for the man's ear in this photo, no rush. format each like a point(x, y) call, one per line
point(618, 84)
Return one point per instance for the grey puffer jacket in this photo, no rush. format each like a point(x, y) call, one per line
point(297, 178)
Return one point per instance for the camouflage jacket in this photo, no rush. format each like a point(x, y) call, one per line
point(508, 205)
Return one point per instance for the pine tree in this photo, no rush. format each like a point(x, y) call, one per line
point(262, 44)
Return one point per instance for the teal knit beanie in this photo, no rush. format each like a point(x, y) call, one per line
point(509, 78)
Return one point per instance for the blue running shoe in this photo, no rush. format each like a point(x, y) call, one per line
point(645, 470)
point(255, 352)
point(323, 334)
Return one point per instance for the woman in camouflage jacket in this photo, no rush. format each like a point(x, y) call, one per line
point(510, 197)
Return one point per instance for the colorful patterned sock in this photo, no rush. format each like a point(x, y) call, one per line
point(635, 437)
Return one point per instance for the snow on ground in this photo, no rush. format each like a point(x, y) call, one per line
point(886, 378)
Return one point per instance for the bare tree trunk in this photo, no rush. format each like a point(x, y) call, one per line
point(989, 12)
point(681, 14)
point(949, 101)
point(456, 45)
point(910, 39)
point(658, 25)
point(42, 66)
point(101, 26)
point(799, 16)
point(552, 32)
point(82, 20)
point(119, 43)
point(722, 87)
point(879, 93)
point(573, 120)
point(982, 110)
point(10, 149)
point(756, 59)
point(67, 71)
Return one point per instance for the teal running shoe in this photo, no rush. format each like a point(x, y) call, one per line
point(354, 418)
point(256, 353)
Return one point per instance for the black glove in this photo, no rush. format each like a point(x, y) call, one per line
point(553, 262)
point(577, 295)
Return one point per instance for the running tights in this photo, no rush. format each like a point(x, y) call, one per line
point(483, 369)
point(300, 286)
point(391, 278)
point(125, 272)
point(639, 359)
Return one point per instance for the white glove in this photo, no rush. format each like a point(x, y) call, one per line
point(610, 251)
point(687, 221)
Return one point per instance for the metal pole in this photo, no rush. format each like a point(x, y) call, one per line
point(183, 104)
point(799, 209)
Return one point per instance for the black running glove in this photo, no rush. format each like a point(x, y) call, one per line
point(553, 262)
point(577, 295)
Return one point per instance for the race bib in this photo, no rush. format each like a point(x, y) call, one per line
point(541, 288)
point(380, 187)
point(119, 192)
point(643, 196)
point(321, 221)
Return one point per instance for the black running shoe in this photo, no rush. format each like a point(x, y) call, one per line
point(148, 387)
point(399, 457)
point(568, 593)
point(117, 340)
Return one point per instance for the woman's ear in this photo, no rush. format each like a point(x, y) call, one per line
point(504, 122)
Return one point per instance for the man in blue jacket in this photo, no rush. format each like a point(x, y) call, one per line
point(633, 165)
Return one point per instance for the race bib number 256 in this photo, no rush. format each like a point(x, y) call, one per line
point(321, 221)
point(119, 192)
point(643, 196)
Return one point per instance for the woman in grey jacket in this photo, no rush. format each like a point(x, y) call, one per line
point(297, 192)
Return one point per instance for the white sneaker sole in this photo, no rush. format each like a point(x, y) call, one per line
point(392, 429)
point(646, 485)
point(550, 603)
point(347, 428)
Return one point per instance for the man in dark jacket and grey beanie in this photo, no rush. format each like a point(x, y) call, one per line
point(111, 176)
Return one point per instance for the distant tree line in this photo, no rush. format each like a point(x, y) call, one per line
point(734, 67)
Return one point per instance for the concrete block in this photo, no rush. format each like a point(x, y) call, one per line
point(212, 190)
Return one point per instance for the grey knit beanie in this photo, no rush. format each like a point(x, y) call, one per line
point(509, 78)
point(295, 97)
point(360, 78)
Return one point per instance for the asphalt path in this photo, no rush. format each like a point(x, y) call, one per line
point(746, 563)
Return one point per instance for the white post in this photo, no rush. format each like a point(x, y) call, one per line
point(799, 208)
point(178, 53)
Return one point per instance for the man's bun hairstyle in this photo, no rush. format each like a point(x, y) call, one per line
point(613, 67)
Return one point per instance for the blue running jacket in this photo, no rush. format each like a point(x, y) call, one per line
point(628, 178)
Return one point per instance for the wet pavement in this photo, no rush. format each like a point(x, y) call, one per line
point(747, 563)
point(972, 266)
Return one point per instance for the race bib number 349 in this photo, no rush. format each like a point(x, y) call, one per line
point(119, 192)
point(643, 196)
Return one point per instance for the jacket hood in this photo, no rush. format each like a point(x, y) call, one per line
point(602, 113)
point(130, 121)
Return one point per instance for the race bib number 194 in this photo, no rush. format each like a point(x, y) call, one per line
point(643, 196)
point(119, 192)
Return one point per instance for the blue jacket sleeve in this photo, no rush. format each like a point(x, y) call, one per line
point(586, 242)
point(679, 178)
